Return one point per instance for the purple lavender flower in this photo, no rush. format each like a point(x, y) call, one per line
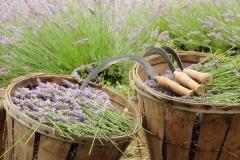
point(187, 5)
point(4, 40)
point(217, 35)
point(112, 107)
point(90, 67)
point(76, 76)
point(185, 97)
point(71, 25)
point(169, 93)
point(57, 118)
point(169, 74)
point(164, 36)
point(215, 64)
point(78, 113)
point(193, 33)
point(134, 98)
point(82, 41)
point(212, 19)
point(80, 68)
point(177, 40)
point(237, 38)
point(99, 111)
point(235, 71)
point(14, 29)
point(191, 66)
point(42, 119)
point(66, 119)
point(207, 41)
point(155, 32)
point(98, 79)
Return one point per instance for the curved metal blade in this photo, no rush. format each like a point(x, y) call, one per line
point(144, 63)
point(175, 55)
point(163, 53)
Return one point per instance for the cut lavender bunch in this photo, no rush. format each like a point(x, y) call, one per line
point(66, 108)
point(223, 89)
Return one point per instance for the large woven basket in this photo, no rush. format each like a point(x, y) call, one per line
point(52, 146)
point(171, 120)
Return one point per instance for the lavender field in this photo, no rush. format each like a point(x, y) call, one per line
point(57, 36)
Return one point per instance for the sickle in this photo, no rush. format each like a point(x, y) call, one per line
point(162, 81)
point(181, 77)
point(205, 78)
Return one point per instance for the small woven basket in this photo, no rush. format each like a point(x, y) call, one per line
point(53, 146)
point(171, 120)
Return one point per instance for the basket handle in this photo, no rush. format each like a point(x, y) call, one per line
point(184, 79)
point(205, 78)
point(175, 87)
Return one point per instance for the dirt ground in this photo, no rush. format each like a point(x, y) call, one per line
point(137, 150)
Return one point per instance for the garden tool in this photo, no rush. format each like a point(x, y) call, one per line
point(205, 78)
point(161, 80)
point(181, 77)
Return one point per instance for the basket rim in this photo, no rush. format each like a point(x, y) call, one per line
point(137, 80)
point(45, 129)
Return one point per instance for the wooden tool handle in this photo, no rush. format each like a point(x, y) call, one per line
point(173, 86)
point(184, 79)
point(202, 77)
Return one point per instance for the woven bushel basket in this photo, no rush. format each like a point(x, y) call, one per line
point(171, 119)
point(51, 145)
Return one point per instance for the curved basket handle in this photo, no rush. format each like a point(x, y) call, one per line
point(184, 79)
point(205, 78)
point(175, 87)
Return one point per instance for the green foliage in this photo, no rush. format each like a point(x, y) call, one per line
point(85, 33)
point(60, 38)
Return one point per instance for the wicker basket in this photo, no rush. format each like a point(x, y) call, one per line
point(52, 146)
point(171, 120)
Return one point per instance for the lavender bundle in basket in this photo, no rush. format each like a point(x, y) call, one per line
point(70, 110)
point(224, 87)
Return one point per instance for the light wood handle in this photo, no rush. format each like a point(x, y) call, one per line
point(173, 86)
point(184, 79)
point(205, 78)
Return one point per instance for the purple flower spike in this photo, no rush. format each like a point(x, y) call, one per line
point(78, 113)
point(235, 71)
point(215, 64)
point(90, 67)
point(185, 97)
